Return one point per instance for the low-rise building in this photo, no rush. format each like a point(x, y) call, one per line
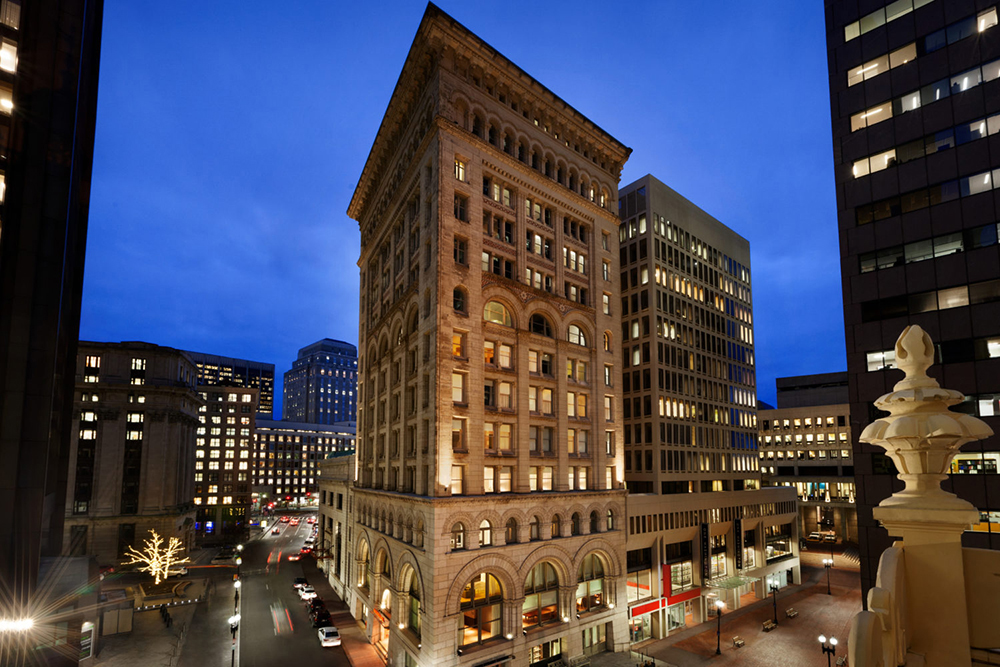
point(334, 546)
point(805, 443)
point(132, 451)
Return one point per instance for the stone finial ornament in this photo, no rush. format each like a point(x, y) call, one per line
point(921, 435)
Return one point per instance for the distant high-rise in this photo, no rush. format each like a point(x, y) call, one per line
point(215, 370)
point(695, 507)
point(322, 386)
point(915, 106)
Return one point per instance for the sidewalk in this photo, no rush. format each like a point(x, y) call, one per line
point(792, 644)
point(209, 622)
point(360, 652)
point(151, 643)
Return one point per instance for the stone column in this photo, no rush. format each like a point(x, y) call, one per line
point(922, 436)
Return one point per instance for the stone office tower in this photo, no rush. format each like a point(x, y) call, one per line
point(490, 499)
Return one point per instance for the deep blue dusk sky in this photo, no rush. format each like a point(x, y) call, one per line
point(231, 135)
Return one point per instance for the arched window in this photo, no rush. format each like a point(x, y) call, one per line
point(458, 300)
point(590, 584)
point(510, 531)
point(534, 530)
point(574, 524)
point(481, 606)
point(611, 521)
point(497, 313)
point(576, 335)
point(364, 571)
point(385, 604)
point(458, 536)
point(607, 342)
point(485, 534)
point(556, 526)
point(541, 596)
point(593, 522)
point(539, 325)
point(493, 135)
point(414, 611)
point(477, 126)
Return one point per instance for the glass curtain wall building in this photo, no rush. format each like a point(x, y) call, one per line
point(915, 99)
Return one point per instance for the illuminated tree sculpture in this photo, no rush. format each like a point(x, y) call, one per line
point(155, 557)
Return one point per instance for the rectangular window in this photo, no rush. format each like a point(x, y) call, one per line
point(489, 438)
point(457, 344)
point(458, 387)
point(546, 478)
point(461, 251)
point(459, 170)
point(461, 207)
point(506, 438)
point(457, 480)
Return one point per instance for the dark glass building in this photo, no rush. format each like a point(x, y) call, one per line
point(49, 57)
point(915, 105)
point(322, 384)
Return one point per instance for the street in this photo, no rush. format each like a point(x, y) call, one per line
point(274, 626)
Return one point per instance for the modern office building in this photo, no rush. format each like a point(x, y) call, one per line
point(286, 457)
point(214, 370)
point(700, 528)
point(806, 443)
point(322, 385)
point(49, 61)
point(223, 476)
point(132, 457)
point(490, 499)
point(915, 106)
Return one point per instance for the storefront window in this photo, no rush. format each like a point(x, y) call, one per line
point(640, 563)
point(718, 565)
point(681, 577)
point(639, 628)
point(675, 616)
point(595, 639)
point(544, 653)
point(778, 542)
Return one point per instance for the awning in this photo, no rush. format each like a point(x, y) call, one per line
point(729, 583)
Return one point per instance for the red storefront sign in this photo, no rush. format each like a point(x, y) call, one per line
point(644, 608)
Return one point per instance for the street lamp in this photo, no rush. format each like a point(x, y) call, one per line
point(236, 597)
point(774, 596)
point(234, 625)
point(828, 563)
point(830, 650)
point(719, 604)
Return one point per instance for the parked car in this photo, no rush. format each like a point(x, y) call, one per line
point(329, 637)
point(307, 592)
point(815, 537)
point(829, 537)
point(299, 582)
point(305, 550)
point(180, 572)
point(322, 619)
point(315, 605)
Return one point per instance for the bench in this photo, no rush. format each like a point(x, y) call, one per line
point(769, 625)
point(738, 641)
point(841, 661)
point(791, 612)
